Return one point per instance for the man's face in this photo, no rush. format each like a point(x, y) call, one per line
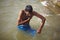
point(27, 12)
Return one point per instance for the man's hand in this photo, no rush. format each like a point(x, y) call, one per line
point(24, 21)
point(39, 31)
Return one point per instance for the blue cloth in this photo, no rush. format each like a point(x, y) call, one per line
point(27, 29)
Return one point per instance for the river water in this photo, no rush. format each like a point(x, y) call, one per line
point(9, 10)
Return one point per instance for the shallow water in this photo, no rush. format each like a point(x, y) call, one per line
point(9, 10)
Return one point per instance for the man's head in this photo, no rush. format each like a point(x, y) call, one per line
point(29, 8)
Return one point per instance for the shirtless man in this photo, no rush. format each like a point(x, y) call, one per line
point(26, 15)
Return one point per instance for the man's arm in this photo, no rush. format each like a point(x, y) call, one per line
point(20, 18)
point(43, 21)
point(24, 21)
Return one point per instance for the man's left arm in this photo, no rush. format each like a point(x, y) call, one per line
point(43, 21)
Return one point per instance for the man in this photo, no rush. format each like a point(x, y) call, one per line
point(26, 15)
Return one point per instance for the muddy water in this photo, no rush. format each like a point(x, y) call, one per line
point(8, 17)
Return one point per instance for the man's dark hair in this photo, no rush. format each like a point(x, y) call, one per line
point(29, 8)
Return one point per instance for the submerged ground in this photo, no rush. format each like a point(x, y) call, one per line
point(9, 10)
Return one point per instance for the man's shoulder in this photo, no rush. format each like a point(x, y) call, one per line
point(22, 11)
point(34, 12)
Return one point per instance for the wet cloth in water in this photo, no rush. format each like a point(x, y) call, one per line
point(27, 29)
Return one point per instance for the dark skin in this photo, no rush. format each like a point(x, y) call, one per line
point(25, 17)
